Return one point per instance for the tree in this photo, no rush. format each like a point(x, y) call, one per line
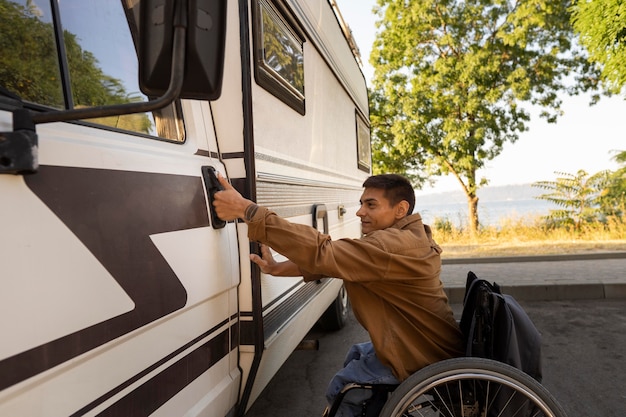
point(451, 77)
point(601, 25)
point(578, 196)
point(613, 200)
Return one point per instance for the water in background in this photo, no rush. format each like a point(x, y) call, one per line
point(495, 205)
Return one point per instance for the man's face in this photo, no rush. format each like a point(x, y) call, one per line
point(376, 211)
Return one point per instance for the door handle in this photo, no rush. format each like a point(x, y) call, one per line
point(320, 212)
point(212, 185)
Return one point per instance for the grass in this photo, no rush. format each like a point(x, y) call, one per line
point(528, 237)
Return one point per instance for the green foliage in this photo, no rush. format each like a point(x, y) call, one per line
point(601, 25)
point(451, 77)
point(578, 196)
point(28, 62)
point(613, 199)
point(443, 225)
point(90, 85)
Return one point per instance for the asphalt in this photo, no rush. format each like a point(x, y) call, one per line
point(588, 276)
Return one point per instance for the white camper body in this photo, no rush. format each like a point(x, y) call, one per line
point(121, 295)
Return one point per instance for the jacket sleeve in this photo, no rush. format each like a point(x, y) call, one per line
point(316, 253)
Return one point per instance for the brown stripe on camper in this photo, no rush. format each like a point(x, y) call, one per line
point(156, 391)
point(114, 213)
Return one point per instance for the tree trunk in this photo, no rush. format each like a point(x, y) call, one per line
point(472, 209)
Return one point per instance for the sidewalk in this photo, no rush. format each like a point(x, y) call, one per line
point(537, 278)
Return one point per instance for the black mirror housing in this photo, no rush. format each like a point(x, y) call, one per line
point(205, 42)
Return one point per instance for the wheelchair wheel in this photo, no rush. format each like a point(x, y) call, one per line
point(471, 387)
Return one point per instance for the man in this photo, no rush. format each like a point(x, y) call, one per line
point(391, 275)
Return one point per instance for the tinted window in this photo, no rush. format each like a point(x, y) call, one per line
point(98, 66)
point(28, 63)
point(279, 54)
point(364, 149)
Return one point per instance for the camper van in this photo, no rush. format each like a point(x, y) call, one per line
point(122, 293)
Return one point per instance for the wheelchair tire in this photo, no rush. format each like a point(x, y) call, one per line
point(471, 387)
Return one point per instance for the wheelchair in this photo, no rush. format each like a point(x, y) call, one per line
point(481, 384)
point(461, 387)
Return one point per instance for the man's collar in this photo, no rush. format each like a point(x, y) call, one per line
point(411, 218)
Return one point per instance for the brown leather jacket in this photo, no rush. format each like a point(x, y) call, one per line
point(392, 279)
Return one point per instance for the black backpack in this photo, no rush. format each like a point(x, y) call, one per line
point(496, 327)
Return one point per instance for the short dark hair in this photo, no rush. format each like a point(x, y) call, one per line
point(397, 188)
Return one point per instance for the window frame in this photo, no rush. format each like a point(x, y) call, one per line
point(264, 75)
point(363, 143)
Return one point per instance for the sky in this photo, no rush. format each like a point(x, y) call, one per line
point(583, 138)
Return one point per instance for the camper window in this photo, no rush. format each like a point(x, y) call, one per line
point(363, 144)
point(88, 61)
point(279, 55)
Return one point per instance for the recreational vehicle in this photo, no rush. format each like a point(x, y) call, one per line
point(122, 293)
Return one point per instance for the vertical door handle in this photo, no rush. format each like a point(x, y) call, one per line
point(320, 212)
point(212, 186)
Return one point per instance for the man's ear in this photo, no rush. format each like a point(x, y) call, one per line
point(402, 209)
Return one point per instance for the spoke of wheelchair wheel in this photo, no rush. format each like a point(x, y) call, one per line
point(489, 400)
point(521, 407)
point(488, 391)
point(507, 410)
point(443, 401)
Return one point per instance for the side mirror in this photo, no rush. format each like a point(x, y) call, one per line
point(204, 56)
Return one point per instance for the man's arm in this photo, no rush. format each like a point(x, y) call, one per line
point(230, 205)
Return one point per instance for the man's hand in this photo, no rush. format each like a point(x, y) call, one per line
point(229, 204)
point(266, 261)
point(269, 266)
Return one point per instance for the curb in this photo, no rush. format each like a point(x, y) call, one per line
point(546, 292)
point(535, 258)
point(554, 292)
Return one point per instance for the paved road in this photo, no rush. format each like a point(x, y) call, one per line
point(583, 350)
